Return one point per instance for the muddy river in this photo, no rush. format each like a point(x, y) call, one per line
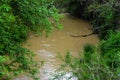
point(60, 42)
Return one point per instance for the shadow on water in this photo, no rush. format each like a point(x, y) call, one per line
point(59, 42)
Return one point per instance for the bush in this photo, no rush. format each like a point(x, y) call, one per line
point(88, 50)
point(97, 63)
point(36, 14)
point(95, 69)
point(104, 15)
point(110, 49)
point(17, 19)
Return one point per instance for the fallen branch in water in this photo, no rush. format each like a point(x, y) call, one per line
point(82, 35)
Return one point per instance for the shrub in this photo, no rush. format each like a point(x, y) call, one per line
point(36, 14)
point(110, 49)
point(97, 63)
point(104, 15)
point(17, 18)
point(95, 69)
point(88, 50)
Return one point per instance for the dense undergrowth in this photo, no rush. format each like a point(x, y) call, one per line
point(97, 63)
point(103, 14)
point(17, 19)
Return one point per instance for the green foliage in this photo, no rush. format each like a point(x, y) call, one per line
point(97, 63)
point(88, 50)
point(17, 18)
point(36, 14)
point(110, 49)
point(3, 60)
point(95, 69)
point(104, 15)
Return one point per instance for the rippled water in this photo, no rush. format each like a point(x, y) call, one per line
point(61, 42)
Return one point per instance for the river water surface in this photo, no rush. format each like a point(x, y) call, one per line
point(60, 42)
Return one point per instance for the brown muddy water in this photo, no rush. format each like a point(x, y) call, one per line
point(60, 42)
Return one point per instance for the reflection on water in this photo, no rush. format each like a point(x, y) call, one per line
point(60, 42)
